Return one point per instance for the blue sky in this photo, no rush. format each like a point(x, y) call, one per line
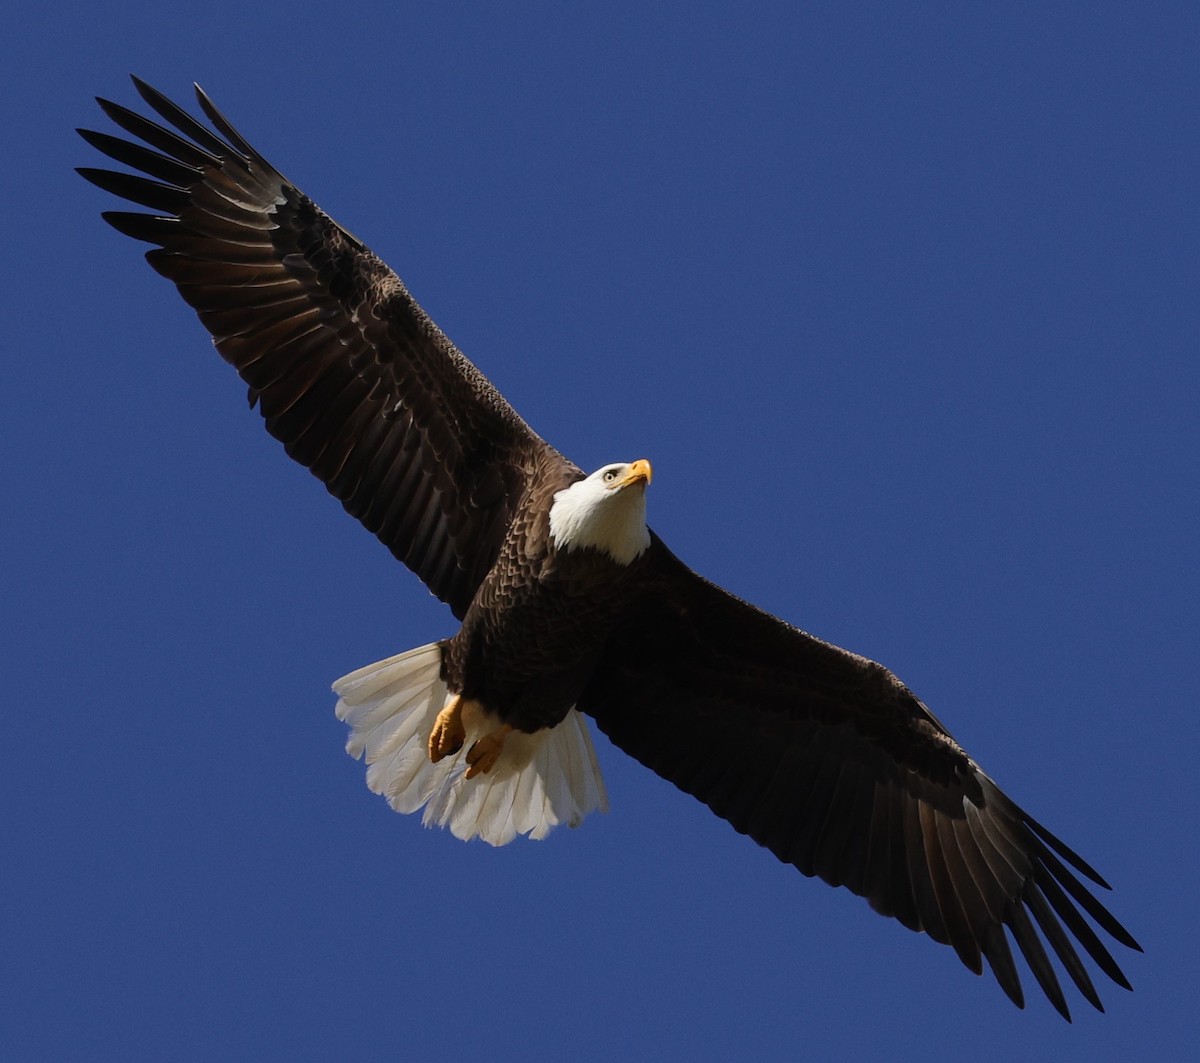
point(901, 302)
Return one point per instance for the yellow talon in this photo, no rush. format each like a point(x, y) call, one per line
point(483, 754)
point(448, 732)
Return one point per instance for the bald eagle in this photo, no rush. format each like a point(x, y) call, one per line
point(569, 605)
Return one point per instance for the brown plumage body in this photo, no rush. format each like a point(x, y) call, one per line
point(820, 755)
point(534, 632)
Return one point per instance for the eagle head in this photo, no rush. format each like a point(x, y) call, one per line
point(605, 511)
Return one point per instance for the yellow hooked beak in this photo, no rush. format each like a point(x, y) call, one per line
point(639, 472)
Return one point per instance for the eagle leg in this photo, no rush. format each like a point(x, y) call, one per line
point(483, 754)
point(448, 732)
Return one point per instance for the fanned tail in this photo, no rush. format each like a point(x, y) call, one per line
point(540, 780)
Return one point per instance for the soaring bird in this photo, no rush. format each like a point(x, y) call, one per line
point(570, 606)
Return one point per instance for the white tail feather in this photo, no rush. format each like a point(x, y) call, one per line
point(540, 780)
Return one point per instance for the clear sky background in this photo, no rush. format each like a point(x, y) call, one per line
point(900, 299)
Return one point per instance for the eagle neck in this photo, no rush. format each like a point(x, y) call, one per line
point(614, 525)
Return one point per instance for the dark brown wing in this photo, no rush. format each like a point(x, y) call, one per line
point(350, 374)
point(829, 761)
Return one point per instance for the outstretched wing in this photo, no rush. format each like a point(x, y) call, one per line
point(348, 371)
point(833, 764)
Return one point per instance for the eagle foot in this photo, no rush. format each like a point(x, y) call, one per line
point(483, 754)
point(448, 732)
